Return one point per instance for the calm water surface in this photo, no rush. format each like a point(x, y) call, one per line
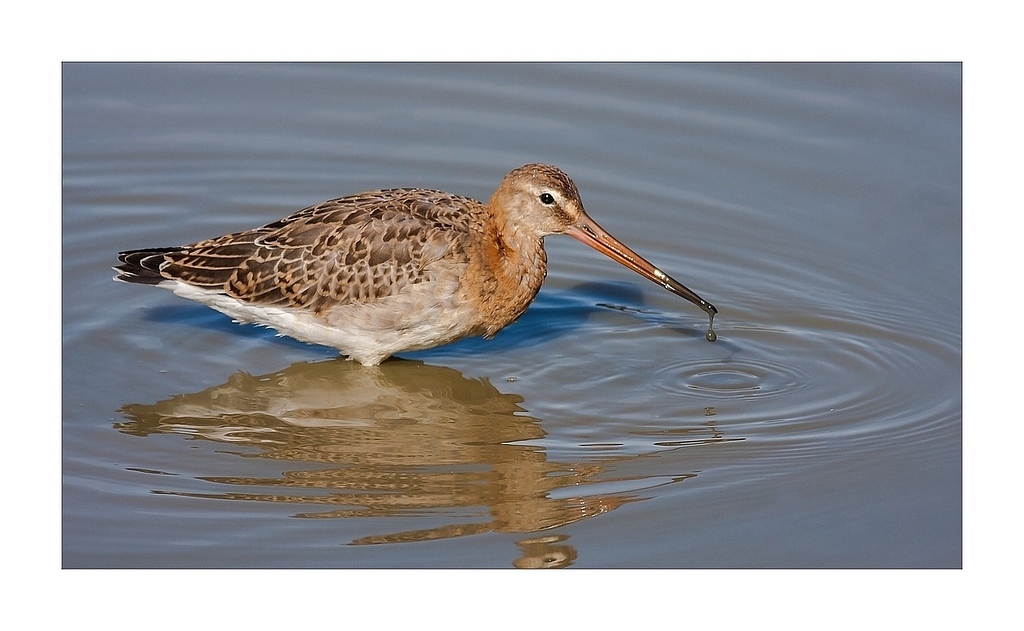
point(817, 206)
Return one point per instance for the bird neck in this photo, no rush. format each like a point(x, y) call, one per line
point(518, 266)
point(519, 256)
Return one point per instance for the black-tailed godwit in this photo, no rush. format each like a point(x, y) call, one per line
point(378, 273)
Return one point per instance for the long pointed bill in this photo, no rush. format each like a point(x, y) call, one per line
point(589, 232)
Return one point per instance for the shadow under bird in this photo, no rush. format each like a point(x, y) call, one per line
point(378, 273)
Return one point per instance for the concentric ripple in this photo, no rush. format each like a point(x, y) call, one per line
point(839, 376)
point(743, 377)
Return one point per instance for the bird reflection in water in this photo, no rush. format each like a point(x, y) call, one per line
point(403, 438)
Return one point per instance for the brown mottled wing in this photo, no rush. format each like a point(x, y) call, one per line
point(354, 249)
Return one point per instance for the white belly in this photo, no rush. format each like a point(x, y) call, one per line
point(422, 316)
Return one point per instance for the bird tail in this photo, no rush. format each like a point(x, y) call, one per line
point(141, 266)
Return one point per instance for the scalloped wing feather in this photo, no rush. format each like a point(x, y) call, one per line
point(354, 249)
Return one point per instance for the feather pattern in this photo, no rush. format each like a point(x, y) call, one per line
point(376, 273)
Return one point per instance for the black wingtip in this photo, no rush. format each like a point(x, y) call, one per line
point(141, 266)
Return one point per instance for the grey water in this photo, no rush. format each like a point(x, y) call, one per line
point(817, 206)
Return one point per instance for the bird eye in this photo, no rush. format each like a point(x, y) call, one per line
point(547, 199)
